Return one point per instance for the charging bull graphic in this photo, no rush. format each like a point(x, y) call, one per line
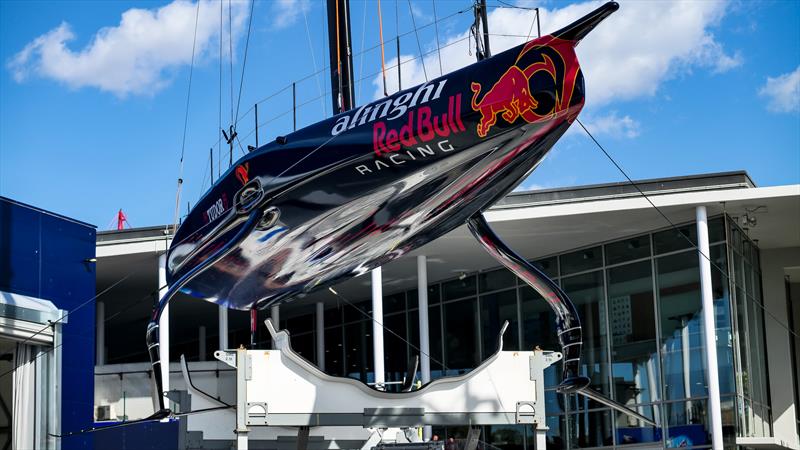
point(512, 96)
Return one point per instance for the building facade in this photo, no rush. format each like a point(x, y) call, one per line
point(632, 271)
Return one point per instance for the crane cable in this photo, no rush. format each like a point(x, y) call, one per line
point(185, 123)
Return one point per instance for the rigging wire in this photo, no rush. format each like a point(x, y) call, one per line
point(438, 47)
point(363, 40)
point(185, 123)
point(244, 62)
point(230, 54)
point(314, 59)
point(383, 57)
point(414, 23)
point(675, 227)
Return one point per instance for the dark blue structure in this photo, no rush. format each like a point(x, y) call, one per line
point(50, 256)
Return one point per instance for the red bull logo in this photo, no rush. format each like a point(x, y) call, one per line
point(242, 173)
point(511, 98)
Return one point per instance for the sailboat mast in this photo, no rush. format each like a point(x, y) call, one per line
point(341, 58)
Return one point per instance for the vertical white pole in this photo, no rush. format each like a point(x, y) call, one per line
point(223, 328)
point(424, 330)
point(377, 327)
point(320, 322)
point(201, 338)
point(100, 345)
point(163, 328)
point(709, 329)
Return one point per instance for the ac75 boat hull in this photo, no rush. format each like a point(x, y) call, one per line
point(353, 192)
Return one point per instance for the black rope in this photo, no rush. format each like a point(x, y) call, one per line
point(675, 227)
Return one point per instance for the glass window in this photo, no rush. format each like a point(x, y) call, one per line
point(394, 303)
point(634, 344)
point(435, 324)
point(459, 288)
point(303, 344)
point(590, 258)
point(506, 437)
point(716, 229)
point(633, 431)
point(590, 429)
point(461, 336)
point(628, 250)
point(358, 350)
point(333, 316)
point(681, 326)
point(395, 346)
point(496, 280)
point(687, 424)
point(412, 301)
point(334, 355)
point(357, 311)
point(586, 292)
point(495, 309)
point(297, 324)
point(722, 316)
point(671, 240)
point(548, 265)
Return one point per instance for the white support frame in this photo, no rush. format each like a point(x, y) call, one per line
point(280, 388)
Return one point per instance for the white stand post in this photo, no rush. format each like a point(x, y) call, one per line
point(377, 327)
point(100, 318)
point(223, 328)
point(709, 329)
point(163, 328)
point(320, 327)
point(275, 315)
point(424, 330)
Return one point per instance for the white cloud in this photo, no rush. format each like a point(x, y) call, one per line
point(628, 56)
point(613, 125)
point(286, 12)
point(782, 92)
point(134, 57)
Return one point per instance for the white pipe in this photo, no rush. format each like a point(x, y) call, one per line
point(320, 322)
point(100, 318)
point(163, 328)
point(201, 338)
point(709, 329)
point(424, 330)
point(377, 327)
point(223, 328)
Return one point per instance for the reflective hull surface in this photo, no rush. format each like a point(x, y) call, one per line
point(353, 192)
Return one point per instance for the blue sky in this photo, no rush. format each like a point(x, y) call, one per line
point(93, 94)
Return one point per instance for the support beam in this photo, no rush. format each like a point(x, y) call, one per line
point(424, 329)
point(377, 327)
point(100, 344)
point(709, 329)
point(223, 328)
point(163, 328)
point(320, 322)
